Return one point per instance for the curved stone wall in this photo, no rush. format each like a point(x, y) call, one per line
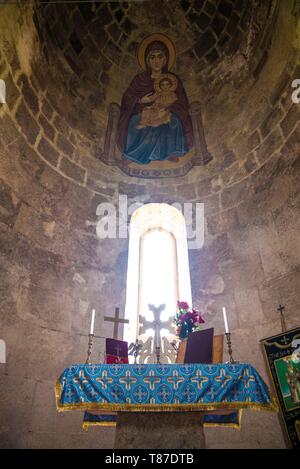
point(54, 269)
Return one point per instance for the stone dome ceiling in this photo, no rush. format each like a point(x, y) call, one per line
point(70, 61)
point(92, 47)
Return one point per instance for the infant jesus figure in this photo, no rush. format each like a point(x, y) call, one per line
point(158, 113)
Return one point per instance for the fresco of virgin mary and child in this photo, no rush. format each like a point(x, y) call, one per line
point(155, 123)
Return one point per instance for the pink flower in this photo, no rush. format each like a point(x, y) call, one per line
point(200, 319)
point(182, 305)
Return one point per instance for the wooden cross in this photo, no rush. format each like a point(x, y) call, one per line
point(117, 320)
point(282, 319)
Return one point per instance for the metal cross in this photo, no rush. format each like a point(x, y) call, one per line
point(117, 320)
point(282, 319)
point(157, 324)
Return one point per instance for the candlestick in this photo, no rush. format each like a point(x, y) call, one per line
point(157, 351)
point(135, 349)
point(90, 345)
point(231, 360)
point(225, 320)
point(92, 322)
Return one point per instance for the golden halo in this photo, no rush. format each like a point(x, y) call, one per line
point(151, 38)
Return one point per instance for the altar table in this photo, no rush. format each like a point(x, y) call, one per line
point(156, 405)
point(162, 388)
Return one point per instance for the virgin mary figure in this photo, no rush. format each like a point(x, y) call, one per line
point(168, 131)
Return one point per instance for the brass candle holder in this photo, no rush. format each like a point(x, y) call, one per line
point(231, 360)
point(175, 346)
point(90, 346)
point(157, 352)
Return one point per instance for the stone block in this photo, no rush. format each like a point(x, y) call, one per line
point(27, 123)
point(44, 404)
point(112, 52)
point(211, 204)
point(29, 94)
point(261, 180)
point(12, 92)
point(291, 120)
point(222, 222)
point(272, 254)
point(46, 308)
point(47, 127)
point(244, 272)
point(206, 42)
point(9, 204)
point(86, 440)
point(16, 395)
point(133, 191)
point(271, 121)
point(65, 145)
point(39, 344)
point(33, 226)
point(159, 430)
point(28, 161)
point(283, 83)
point(291, 149)
point(204, 187)
point(287, 220)
point(48, 152)
point(272, 144)
point(47, 109)
point(234, 195)
point(61, 125)
point(8, 131)
point(34, 440)
point(72, 170)
point(250, 163)
point(268, 436)
point(218, 24)
point(187, 191)
point(249, 308)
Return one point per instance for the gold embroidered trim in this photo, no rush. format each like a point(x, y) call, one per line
point(272, 406)
point(85, 425)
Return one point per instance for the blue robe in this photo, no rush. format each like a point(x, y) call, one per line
point(155, 143)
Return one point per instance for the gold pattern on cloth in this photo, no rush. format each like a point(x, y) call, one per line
point(272, 406)
point(223, 379)
point(246, 378)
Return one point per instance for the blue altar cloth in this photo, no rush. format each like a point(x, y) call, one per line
point(171, 387)
point(209, 420)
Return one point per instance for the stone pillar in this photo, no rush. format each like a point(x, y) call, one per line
point(159, 430)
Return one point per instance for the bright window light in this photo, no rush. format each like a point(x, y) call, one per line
point(158, 267)
point(158, 275)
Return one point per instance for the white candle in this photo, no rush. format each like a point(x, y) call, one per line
point(92, 322)
point(225, 320)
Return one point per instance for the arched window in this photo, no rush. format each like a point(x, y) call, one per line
point(158, 267)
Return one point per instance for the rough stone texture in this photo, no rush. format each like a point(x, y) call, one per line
point(161, 430)
point(63, 66)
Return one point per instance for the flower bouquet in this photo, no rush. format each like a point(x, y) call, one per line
point(187, 320)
